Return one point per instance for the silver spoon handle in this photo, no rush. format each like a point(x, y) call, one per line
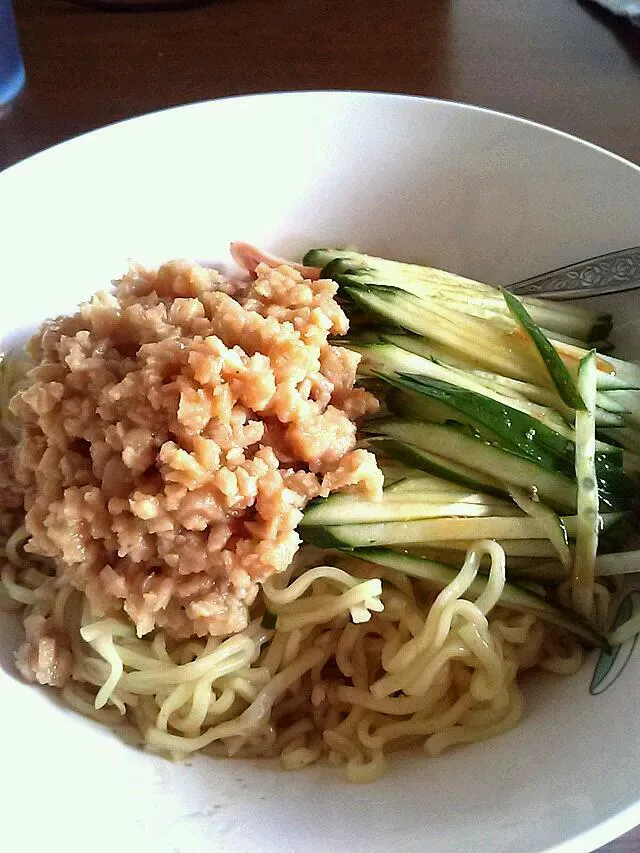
point(611, 273)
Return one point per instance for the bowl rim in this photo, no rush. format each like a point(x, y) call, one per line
point(300, 93)
point(629, 817)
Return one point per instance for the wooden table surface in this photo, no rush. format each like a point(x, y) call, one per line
point(565, 63)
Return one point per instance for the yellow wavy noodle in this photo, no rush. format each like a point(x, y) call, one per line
point(359, 664)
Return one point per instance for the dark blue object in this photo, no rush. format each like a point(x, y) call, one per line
point(11, 67)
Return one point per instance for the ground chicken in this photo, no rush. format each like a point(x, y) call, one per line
point(173, 432)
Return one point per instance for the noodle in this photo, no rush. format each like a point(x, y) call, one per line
point(442, 678)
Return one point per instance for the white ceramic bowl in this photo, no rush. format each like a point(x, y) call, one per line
point(483, 194)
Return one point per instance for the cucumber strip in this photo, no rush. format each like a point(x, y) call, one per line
point(610, 402)
point(449, 497)
point(558, 372)
point(418, 481)
point(629, 401)
point(553, 487)
point(486, 306)
point(626, 438)
point(334, 509)
point(515, 428)
point(421, 279)
point(568, 319)
point(621, 563)
point(549, 521)
point(609, 420)
point(515, 548)
point(517, 566)
point(428, 349)
point(551, 572)
point(413, 405)
point(429, 530)
point(534, 548)
point(424, 484)
point(439, 466)
point(611, 381)
point(466, 366)
point(424, 495)
point(543, 404)
point(387, 358)
point(546, 398)
point(512, 595)
point(620, 374)
point(588, 520)
point(493, 348)
point(394, 473)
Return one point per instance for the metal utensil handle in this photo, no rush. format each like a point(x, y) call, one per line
point(616, 271)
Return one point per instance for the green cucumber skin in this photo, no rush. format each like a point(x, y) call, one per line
point(617, 489)
point(402, 534)
point(321, 537)
point(419, 459)
point(555, 488)
point(586, 326)
point(581, 323)
point(378, 512)
point(556, 368)
point(516, 428)
point(322, 257)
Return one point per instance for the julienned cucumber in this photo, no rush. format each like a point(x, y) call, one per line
point(387, 357)
point(558, 373)
point(512, 595)
point(433, 463)
point(490, 346)
point(462, 330)
point(565, 319)
point(588, 520)
point(621, 375)
point(549, 522)
point(418, 482)
point(399, 507)
point(555, 489)
point(428, 530)
point(573, 320)
point(413, 405)
point(616, 488)
point(520, 549)
point(515, 428)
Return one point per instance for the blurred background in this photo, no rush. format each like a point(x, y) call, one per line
point(568, 63)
